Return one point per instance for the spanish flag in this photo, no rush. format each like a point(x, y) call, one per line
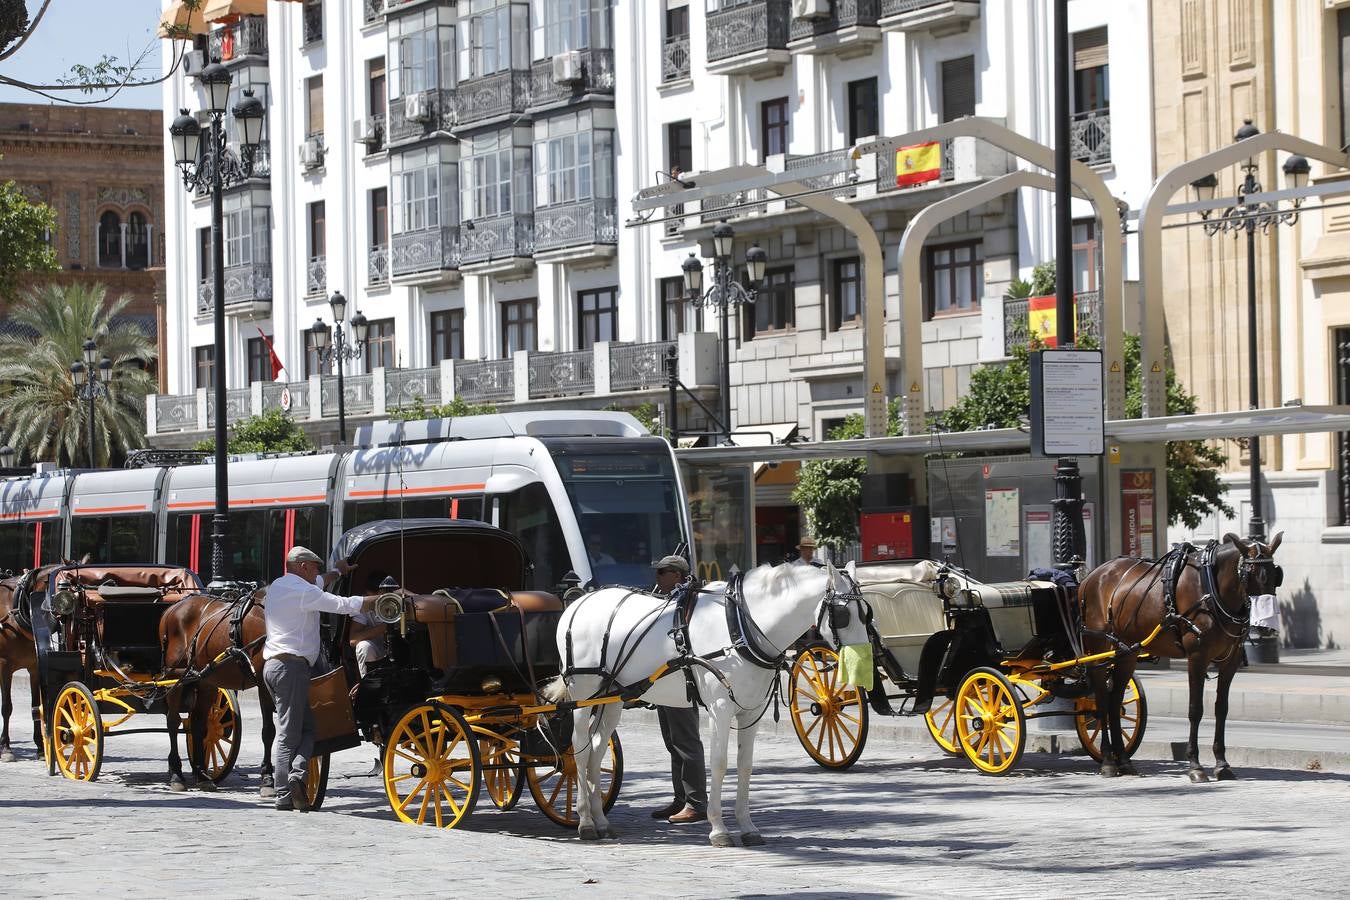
point(1044, 323)
point(918, 164)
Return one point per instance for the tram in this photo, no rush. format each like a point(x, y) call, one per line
point(591, 493)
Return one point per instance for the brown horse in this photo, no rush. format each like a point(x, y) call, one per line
point(1126, 609)
point(17, 651)
point(198, 636)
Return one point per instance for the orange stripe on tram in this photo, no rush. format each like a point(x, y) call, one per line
point(90, 510)
point(435, 489)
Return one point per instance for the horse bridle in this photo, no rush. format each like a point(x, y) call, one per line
point(835, 607)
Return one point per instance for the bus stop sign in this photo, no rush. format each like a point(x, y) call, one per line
point(1067, 404)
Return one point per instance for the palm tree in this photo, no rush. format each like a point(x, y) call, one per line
point(39, 407)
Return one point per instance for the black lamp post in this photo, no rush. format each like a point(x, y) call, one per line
point(1245, 217)
point(339, 351)
point(91, 382)
point(214, 170)
point(725, 293)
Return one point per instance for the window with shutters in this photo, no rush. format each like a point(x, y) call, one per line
point(954, 278)
point(675, 308)
point(597, 317)
point(205, 359)
point(773, 127)
point(259, 360)
point(314, 106)
point(1090, 84)
point(958, 88)
point(863, 117)
point(518, 321)
point(775, 306)
point(380, 345)
point(447, 335)
point(375, 90)
point(846, 292)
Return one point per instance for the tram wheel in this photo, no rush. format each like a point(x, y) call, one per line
point(1133, 721)
point(503, 775)
point(941, 722)
point(990, 723)
point(553, 784)
point(77, 733)
point(222, 739)
point(432, 767)
point(829, 717)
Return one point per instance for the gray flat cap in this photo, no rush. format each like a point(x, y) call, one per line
point(678, 563)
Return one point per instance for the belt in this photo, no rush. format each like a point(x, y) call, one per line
point(295, 656)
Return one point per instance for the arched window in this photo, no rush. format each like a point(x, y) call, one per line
point(138, 241)
point(110, 240)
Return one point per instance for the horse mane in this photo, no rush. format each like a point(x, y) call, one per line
point(780, 579)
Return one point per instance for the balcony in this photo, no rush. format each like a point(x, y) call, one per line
point(939, 17)
point(497, 244)
point(675, 59)
point(312, 23)
point(248, 290)
point(497, 96)
point(374, 138)
point(245, 39)
point(439, 112)
point(431, 254)
point(850, 30)
point(577, 378)
point(316, 276)
point(750, 39)
point(587, 228)
point(1090, 137)
point(372, 10)
point(597, 77)
point(963, 159)
point(1016, 319)
point(377, 265)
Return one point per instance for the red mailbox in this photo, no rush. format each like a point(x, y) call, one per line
point(897, 533)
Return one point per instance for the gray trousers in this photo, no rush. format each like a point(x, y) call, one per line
point(288, 681)
point(679, 729)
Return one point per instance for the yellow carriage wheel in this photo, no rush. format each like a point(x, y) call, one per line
point(553, 783)
point(77, 732)
point(222, 739)
point(316, 780)
point(941, 722)
point(431, 767)
point(990, 724)
point(1133, 721)
point(830, 717)
point(48, 758)
point(503, 776)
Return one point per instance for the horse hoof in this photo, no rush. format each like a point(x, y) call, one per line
point(752, 839)
point(588, 833)
point(1128, 769)
point(7, 755)
point(176, 785)
point(722, 840)
point(610, 834)
point(1109, 770)
point(207, 785)
point(1224, 774)
point(1198, 776)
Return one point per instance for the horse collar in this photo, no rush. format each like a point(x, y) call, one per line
point(742, 629)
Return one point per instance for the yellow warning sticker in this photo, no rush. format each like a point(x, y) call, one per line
point(1156, 368)
point(914, 388)
point(876, 388)
point(1115, 366)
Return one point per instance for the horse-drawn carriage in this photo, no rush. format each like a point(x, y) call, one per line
point(454, 703)
point(975, 660)
point(100, 662)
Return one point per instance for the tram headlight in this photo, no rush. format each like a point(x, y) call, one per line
point(63, 602)
point(389, 608)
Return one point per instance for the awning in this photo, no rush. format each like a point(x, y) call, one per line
point(178, 17)
point(763, 435)
point(229, 10)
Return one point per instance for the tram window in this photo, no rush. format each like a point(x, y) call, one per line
point(114, 539)
point(360, 513)
point(16, 544)
point(178, 546)
point(311, 529)
point(248, 544)
point(466, 508)
point(528, 514)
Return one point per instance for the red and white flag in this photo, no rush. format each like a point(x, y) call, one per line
point(277, 367)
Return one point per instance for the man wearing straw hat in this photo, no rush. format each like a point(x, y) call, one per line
point(806, 550)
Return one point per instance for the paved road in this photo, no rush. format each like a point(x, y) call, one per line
point(904, 822)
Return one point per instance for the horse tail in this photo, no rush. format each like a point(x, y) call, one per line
point(555, 690)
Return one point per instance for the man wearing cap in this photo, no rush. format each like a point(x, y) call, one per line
point(679, 728)
point(294, 602)
point(806, 553)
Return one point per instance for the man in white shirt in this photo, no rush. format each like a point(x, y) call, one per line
point(294, 602)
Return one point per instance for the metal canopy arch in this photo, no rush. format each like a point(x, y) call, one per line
point(1151, 214)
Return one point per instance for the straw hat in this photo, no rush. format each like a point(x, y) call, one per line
point(807, 543)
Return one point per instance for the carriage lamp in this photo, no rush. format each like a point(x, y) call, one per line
point(63, 602)
point(947, 587)
point(492, 685)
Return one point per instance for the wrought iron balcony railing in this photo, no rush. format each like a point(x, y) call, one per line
point(637, 367)
point(575, 225)
point(843, 14)
point(429, 250)
point(438, 113)
point(245, 285)
point(1090, 136)
point(748, 28)
point(373, 9)
point(675, 58)
point(567, 374)
point(402, 387)
point(597, 77)
point(316, 275)
point(486, 381)
point(1017, 319)
point(246, 37)
point(377, 265)
point(499, 237)
point(312, 23)
point(499, 94)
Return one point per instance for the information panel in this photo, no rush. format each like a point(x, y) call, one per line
point(1067, 404)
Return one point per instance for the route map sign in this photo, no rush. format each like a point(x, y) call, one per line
point(1068, 407)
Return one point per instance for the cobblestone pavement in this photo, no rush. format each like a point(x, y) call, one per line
point(904, 822)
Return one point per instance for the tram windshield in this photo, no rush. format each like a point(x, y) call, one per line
point(626, 501)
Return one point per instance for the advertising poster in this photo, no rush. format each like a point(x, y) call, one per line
point(1002, 523)
point(1136, 512)
point(1040, 538)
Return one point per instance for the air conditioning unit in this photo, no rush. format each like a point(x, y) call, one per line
point(810, 9)
point(193, 62)
point(311, 154)
point(567, 67)
point(417, 107)
point(367, 132)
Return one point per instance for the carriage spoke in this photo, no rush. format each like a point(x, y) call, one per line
point(403, 804)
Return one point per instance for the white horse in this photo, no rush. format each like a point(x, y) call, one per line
point(626, 635)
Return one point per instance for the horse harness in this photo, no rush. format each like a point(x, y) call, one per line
point(1233, 625)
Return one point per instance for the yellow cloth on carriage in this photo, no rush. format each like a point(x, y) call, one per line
point(855, 665)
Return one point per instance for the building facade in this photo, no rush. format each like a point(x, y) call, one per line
point(101, 170)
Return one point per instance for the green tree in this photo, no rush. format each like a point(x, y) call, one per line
point(272, 432)
point(44, 418)
point(458, 406)
point(22, 244)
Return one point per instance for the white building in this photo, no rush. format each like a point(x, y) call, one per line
point(459, 170)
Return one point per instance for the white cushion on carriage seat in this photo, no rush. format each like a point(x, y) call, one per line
point(922, 571)
point(112, 592)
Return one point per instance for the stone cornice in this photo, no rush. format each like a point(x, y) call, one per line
point(48, 142)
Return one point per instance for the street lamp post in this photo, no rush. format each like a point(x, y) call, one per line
point(339, 351)
point(91, 382)
point(1245, 217)
point(725, 293)
point(215, 170)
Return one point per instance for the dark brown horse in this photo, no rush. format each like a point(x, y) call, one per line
point(17, 651)
point(210, 646)
point(1127, 608)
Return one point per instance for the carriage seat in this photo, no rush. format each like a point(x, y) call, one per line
point(441, 604)
point(131, 584)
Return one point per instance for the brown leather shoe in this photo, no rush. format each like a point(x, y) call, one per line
point(687, 815)
point(668, 810)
